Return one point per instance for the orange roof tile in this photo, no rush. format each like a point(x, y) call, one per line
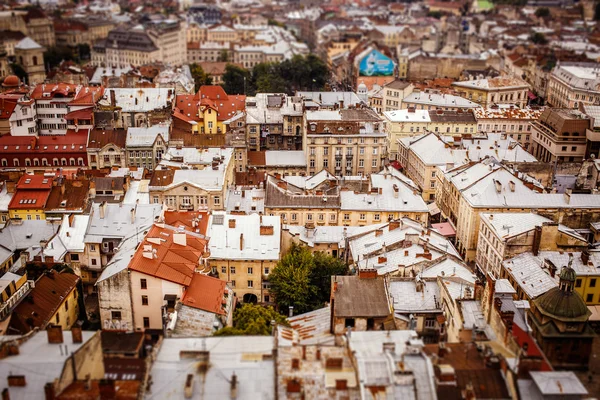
point(184, 219)
point(205, 293)
point(169, 261)
point(48, 295)
point(53, 90)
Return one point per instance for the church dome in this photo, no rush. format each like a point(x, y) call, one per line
point(362, 88)
point(11, 81)
point(562, 302)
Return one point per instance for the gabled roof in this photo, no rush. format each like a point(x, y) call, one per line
point(99, 138)
point(373, 297)
point(49, 293)
point(169, 254)
point(205, 293)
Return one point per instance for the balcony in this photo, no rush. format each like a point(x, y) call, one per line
point(8, 306)
point(349, 156)
point(338, 167)
point(338, 157)
point(186, 206)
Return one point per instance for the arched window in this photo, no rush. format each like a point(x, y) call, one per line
point(15, 162)
point(27, 162)
point(71, 161)
point(44, 162)
point(55, 162)
point(4, 162)
point(80, 161)
point(36, 162)
point(63, 161)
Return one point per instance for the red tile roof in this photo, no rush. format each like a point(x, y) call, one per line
point(100, 138)
point(29, 199)
point(52, 90)
point(34, 182)
point(86, 113)
point(48, 295)
point(8, 102)
point(186, 220)
point(88, 95)
point(209, 96)
point(205, 293)
point(80, 390)
point(171, 262)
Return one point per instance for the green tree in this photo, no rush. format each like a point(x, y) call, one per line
point(200, 77)
point(252, 319)
point(223, 56)
point(542, 12)
point(539, 38)
point(55, 55)
point(302, 279)
point(237, 80)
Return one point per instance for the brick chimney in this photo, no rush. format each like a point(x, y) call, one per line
point(76, 334)
point(241, 241)
point(393, 225)
point(232, 223)
point(266, 230)
point(367, 273)
point(55, 334)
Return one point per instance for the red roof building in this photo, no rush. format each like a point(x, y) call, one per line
point(32, 194)
point(45, 151)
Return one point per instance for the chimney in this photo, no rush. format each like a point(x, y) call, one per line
point(241, 241)
point(102, 209)
point(5, 394)
point(92, 189)
point(233, 387)
point(76, 334)
point(243, 193)
point(378, 232)
point(393, 225)
point(55, 334)
point(113, 101)
point(498, 186)
point(585, 256)
point(537, 239)
point(367, 274)
point(511, 186)
point(552, 269)
point(49, 391)
point(266, 230)
point(180, 239)
point(381, 260)
point(232, 223)
point(132, 216)
point(396, 191)
point(107, 389)
point(10, 186)
point(188, 390)
point(16, 381)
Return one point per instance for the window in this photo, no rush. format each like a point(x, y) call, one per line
point(232, 270)
point(250, 284)
point(143, 283)
point(250, 270)
point(309, 217)
point(593, 282)
point(363, 216)
point(217, 200)
point(155, 199)
point(144, 300)
point(578, 282)
point(58, 318)
point(321, 217)
point(346, 217)
point(115, 315)
point(589, 298)
point(146, 322)
point(223, 269)
point(294, 217)
point(377, 217)
point(361, 163)
point(94, 262)
point(233, 283)
point(332, 217)
point(67, 305)
point(374, 163)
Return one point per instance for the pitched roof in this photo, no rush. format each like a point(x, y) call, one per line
point(28, 44)
point(47, 296)
point(100, 137)
point(373, 297)
point(205, 293)
point(161, 256)
point(8, 102)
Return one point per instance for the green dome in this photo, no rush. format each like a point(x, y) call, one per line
point(562, 305)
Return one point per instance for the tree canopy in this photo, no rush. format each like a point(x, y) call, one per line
point(252, 319)
point(289, 76)
point(539, 38)
point(542, 12)
point(303, 280)
point(200, 77)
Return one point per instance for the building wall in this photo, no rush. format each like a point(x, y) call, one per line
point(114, 295)
point(156, 291)
point(68, 311)
point(347, 155)
point(517, 129)
point(238, 276)
point(107, 157)
point(38, 214)
point(392, 98)
point(398, 130)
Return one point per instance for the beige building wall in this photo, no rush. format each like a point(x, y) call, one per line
point(346, 155)
point(155, 294)
point(245, 276)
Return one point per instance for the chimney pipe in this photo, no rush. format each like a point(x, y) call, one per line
point(241, 241)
